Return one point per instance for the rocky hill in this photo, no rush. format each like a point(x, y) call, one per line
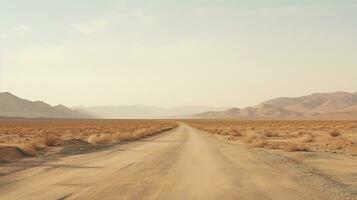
point(13, 106)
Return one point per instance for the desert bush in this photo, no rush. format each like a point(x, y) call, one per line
point(51, 140)
point(235, 133)
point(224, 132)
point(258, 142)
point(121, 136)
point(117, 136)
point(33, 147)
point(250, 137)
point(294, 146)
point(100, 139)
point(131, 136)
point(334, 133)
point(270, 134)
point(307, 138)
point(273, 145)
point(255, 140)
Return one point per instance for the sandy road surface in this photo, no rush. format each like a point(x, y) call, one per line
point(181, 164)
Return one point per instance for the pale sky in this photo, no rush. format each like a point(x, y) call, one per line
point(176, 52)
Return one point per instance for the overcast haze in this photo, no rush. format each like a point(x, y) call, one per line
point(171, 53)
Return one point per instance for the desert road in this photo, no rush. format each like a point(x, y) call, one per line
point(182, 164)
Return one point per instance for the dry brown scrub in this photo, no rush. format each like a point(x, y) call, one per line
point(329, 136)
point(35, 135)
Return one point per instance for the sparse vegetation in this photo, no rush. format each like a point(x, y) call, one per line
point(286, 135)
point(33, 135)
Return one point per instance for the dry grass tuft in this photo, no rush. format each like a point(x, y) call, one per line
point(335, 133)
point(307, 138)
point(51, 140)
point(255, 140)
point(121, 136)
point(235, 133)
point(250, 137)
point(273, 145)
point(294, 146)
point(100, 139)
point(258, 142)
point(270, 134)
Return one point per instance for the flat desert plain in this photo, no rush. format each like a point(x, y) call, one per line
point(177, 159)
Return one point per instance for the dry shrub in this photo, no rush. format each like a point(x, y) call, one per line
point(136, 136)
point(301, 133)
point(92, 138)
point(258, 142)
point(100, 139)
point(215, 130)
point(122, 136)
point(32, 147)
point(126, 136)
point(235, 133)
point(255, 140)
point(294, 134)
point(273, 145)
point(223, 132)
point(294, 146)
point(148, 132)
point(335, 133)
point(270, 134)
point(51, 140)
point(307, 138)
point(250, 137)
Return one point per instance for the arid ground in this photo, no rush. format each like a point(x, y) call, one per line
point(189, 159)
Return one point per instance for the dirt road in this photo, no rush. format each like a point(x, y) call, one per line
point(182, 164)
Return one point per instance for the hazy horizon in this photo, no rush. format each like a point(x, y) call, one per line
point(170, 107)
point(176, 53)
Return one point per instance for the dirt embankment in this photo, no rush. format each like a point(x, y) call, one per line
point(9, 153)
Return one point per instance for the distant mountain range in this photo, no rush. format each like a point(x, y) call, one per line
point(13, 106)
point(319, 105)
point(144, 111)
point(337, 105)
